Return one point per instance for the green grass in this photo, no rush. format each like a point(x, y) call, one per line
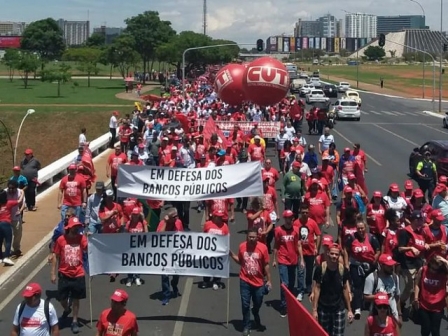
point(101, 91)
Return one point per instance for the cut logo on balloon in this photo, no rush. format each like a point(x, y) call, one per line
point(223, 79)
point(267, 76)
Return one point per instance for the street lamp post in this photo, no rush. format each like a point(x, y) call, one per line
point(442, 41)
point(9, 140)
point(30, 111)
point(424, 55)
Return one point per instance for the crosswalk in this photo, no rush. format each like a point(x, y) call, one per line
point(392, 113)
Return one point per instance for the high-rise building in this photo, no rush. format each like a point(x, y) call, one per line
point(328, 26)
point(361, 25)
point(393, 24)
point(109, 33)
point(9, 28)
point(307, 28)
point(74, 32)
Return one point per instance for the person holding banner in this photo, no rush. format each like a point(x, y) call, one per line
point(253, 257)
point(216, 226)
point(170, 223)
point(68, 259)
point(117, 320)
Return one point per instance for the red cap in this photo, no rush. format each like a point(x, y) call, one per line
point(296, 164)
point(314, 181)
point(73, 222)
point(119, 296)
point(115, 113)
point(386, 259)
point(440, 188)
point(31, 290)
point(141, 146)
point(287, 214)
point(218, 213)
point(327, 240)
point(176, 138)
point(377, 194)
point(443, 179)
point(394, 187)
point(381, 299)
point(348, 189)
point(408, 185)
point(437, 215)
point(16, 168)
point(346, 149)
point(72, 167)
point(418, 193)
point(136, 211)
point(351, 176)
point(28, 151)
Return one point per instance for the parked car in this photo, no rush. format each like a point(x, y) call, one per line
point(439, 155)
point(316, 96)
point(330, 90)
point(343, 86)
point(347, 109)
point(354, 95)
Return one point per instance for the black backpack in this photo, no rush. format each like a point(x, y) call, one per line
point(46, 312)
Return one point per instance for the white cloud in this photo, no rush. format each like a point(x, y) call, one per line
point(238, 20)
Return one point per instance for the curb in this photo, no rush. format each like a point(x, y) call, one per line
point(434, 114)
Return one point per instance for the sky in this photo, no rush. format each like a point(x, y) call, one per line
point(241, 21)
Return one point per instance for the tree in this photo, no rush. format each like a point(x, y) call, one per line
point(121, 54)
point(87, 59)
point(96, 40)
point(45, 38)
point(60, 75)
point(374, 53)
point(11, 59)
point(172, 51)
point(149, 32)
point(27, 64)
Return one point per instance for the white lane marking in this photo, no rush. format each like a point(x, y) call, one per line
point(388, 113)
point(364, 112)
point(374, 112)
point(413, 114)
point(396, 135)
point(351, 142)
point(179, 326)
point(399, 113)
point(435, 129)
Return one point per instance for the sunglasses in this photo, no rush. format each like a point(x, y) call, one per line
point(304, 212)
point(382, 307)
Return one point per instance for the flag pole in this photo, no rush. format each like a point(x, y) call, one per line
point(228, 301)
point(90, 301)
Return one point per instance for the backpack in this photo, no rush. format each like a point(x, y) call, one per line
point(340, 268)
point(46, 312)
point(374, 288)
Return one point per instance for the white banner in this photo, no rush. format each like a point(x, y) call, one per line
point(198, 184)
point(165, 253)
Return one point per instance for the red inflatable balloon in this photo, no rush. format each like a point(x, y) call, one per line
point(229, 84)
point(266, 81)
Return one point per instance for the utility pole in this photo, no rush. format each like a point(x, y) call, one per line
point(204, 14)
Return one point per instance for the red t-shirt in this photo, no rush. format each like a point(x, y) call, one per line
point(270, 198)
point(220, 205)
point(377, 225)
point(111, 225)
point(73, 188)
point(136, 227)
point(286, 243)
point(5, 211)
point(307, 231)
point(128, 205)
point(177, 226)
point(212, 228)
point(70, 250)
point(272, 174)
point(109, 325)
point(124, 133)
point(253, 261)
point(114, 161)
point(318, 206)
point(262, 222)
point(256, 153)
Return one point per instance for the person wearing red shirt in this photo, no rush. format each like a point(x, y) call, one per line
point(430, 293)
point(110, 214)
point(318, 204)
point(6, 232)
point(135, 161)
point(67, 260)
point(72, 192)
point(170, 223)
point(127, 206)
point(114, 160)
point(310, 239)
point(124, 134)
point(231, 152)
point(287, 250)
point(435, 235)
point(256, 151)
point(381, 322)
point(376, 220)
point(328, 172)
point(259, 217)
point(227, 206)
point(117, 320)
point(215, 226)
point(361, 160)
point(223, 159)
point(170, 159)
point(253, 257)
point(270, 172)
point(200, 148)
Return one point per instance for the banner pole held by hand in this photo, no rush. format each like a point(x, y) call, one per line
point(90, 301)
point(228, 301)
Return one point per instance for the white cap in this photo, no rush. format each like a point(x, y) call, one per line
point(257, 137)
point(109, 192)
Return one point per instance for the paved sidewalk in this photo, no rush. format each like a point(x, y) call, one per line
point(40, 223)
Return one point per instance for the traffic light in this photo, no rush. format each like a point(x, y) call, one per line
point(382, 40)
point(445, 47)
point(260, 45)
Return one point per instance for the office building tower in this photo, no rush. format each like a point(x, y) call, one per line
point(393, 24)
point(74, 32)
point(360, 25)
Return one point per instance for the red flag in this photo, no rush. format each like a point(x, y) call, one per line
point(183, 121)
point(300, 321)
point(210, 128)
point(87, 163)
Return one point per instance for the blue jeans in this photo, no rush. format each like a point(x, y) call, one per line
point(95, 227)
point(287, 278)
point(5, 238)
point(247, 293)
point(305, 275)
point(166, 289)
point(77, 210)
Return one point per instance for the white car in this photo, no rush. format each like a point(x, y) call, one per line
point(315, 96)
point(306, 88)
point(347, 109)
point(353, 95)
point(343, 86)
point(445, 120)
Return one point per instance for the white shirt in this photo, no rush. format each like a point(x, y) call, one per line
point(15, 215)
point(33, 321)
point(291, 131)
point(82, 139)
point(113, 123)
point(281, 139)
point(325, 141)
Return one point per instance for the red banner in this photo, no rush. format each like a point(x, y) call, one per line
point(210, 128)
point(300, 321)
point(269, 129)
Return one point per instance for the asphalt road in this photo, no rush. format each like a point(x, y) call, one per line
point(387, 140)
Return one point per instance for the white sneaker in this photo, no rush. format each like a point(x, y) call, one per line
point(215, 287)
point(357, 314)
point(8, 262)
point(129, 284)
point(138, 282)
point(300, 297)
